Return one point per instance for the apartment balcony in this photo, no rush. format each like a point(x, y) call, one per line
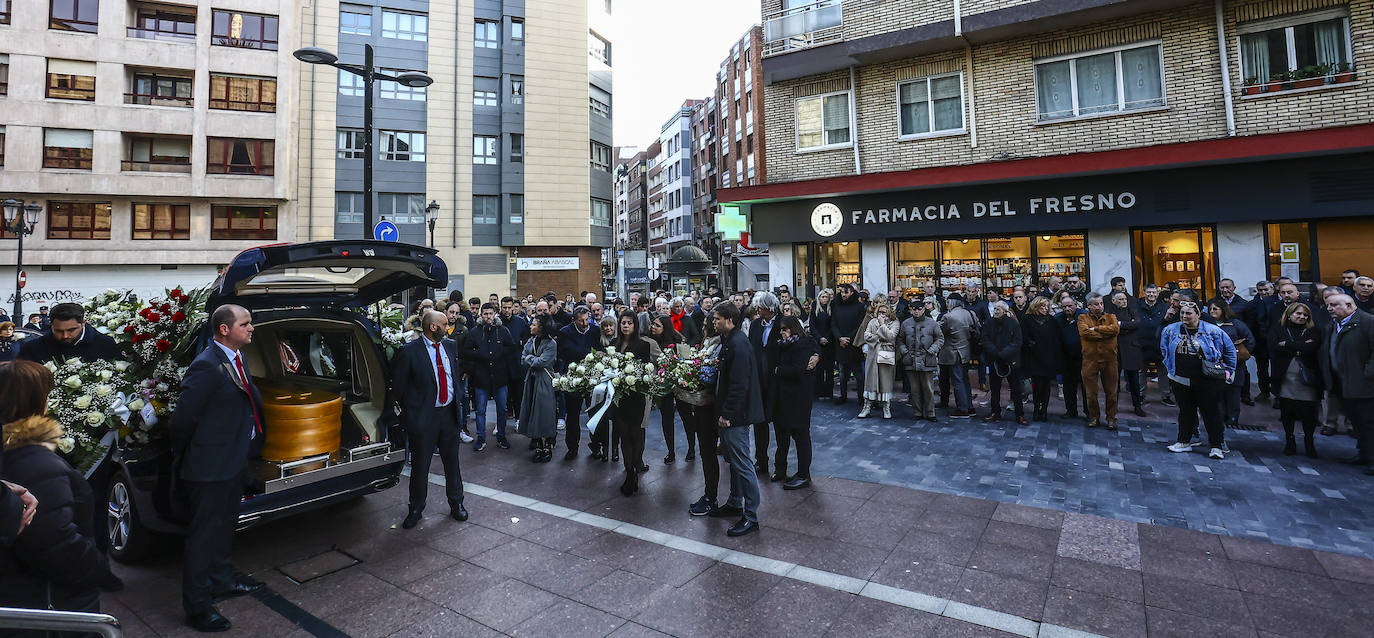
point(804, 27)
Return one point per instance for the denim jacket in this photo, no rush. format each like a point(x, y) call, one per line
point(1216, 346)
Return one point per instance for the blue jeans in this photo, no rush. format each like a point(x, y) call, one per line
point(957, 375)
point(482, 397)
point(744, 483)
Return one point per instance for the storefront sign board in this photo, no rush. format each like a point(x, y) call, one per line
point(547, 263)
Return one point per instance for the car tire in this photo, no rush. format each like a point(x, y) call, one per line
point(130, 541)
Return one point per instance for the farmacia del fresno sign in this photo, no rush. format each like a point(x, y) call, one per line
point(827, 219)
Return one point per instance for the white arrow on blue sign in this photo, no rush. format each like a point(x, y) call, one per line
point(386, 231)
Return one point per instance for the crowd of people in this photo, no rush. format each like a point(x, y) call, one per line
point(1311, 358)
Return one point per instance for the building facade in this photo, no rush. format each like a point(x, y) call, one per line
point(1162, 141)
point(740, 158)
point(522, 92)
point(670, 215)
point(158, 139)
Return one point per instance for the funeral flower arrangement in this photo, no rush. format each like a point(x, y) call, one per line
point(164, 324)
point(691, 377)
point(90, 399)
point(618, 369)
point(110, 311)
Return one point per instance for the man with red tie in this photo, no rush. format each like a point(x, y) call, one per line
point(423, 383)
point(216, 427)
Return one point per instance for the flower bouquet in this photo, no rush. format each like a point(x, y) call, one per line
point(110, 311)
point(164, 325)
point(87, 401)
point(619, 369)
point(691, 377)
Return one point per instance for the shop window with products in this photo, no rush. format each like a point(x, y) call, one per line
point(1185, 257)
point(1291, 249)
point(994, 262)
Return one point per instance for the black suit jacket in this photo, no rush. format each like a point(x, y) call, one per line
point(93, 346)
point(737, 382)
point(414, 384)
point(212, 424)
point(765, 359)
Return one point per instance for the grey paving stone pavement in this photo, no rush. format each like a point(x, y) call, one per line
point(1049, 526)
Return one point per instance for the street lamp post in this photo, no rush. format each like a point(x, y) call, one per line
point(20, 225)
point(431, 217)
point(369, 74)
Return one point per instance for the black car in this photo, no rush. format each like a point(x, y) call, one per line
point(309, 335)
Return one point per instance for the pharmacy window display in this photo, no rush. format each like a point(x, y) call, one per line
point(955, 265)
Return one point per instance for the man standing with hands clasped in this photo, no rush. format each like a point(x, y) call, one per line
point(1098, 330)
point(1347, 362)
point(424, 381)
point(215, 429)
point(741, 405)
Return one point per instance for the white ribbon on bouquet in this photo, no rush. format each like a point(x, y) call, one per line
point(602, 394)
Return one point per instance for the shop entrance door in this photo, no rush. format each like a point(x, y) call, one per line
point(1185, 257)
point(826, 265)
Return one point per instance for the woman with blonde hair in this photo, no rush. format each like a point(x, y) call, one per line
point(880, 364)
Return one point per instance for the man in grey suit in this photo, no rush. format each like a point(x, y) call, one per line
point(741, 405)
point(958, 326)
point(424, 381)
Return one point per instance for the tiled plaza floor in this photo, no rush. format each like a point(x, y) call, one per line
point(955, 556)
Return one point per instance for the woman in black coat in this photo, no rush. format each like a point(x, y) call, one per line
point(1130, 358)
point(820, 330)
point(54, 562)
point(1043, 349)
point(632, 410)
point(791, 409)
point(662, 332)
point(1297, 382)
point(1002, 353)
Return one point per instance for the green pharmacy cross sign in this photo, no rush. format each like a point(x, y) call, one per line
point(730, 222)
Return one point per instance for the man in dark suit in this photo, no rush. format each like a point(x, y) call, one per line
point(763, 340)
point(1347, 363)
point(69, 337)
point(741, 405)
point(425, 382)
point(215, 429)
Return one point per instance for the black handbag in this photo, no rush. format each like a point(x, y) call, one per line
point(1214, 370)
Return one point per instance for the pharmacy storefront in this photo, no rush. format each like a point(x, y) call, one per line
point(1305, 218)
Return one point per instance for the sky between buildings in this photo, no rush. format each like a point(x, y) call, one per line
point(666, 51)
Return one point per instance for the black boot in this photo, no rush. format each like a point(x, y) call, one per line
point(1311, 446)
point(1290, 446)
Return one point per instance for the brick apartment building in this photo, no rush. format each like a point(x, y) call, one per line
point(998, 142)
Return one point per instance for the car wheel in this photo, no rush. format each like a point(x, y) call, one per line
point(130, 541)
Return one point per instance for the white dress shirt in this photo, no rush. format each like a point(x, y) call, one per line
point(447, 380)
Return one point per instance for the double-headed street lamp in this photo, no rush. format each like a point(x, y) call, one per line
point(20, 225)
point(369, 74)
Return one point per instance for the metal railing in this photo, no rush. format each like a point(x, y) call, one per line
point(814, 24)
point(160, 34)
point(157, 166)
point(47, 620)
point(152, 99)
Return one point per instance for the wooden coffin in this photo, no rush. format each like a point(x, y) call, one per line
point(299, 423)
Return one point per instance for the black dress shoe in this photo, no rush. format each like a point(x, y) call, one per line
point(208, 621)
point(239, 588)
point(796, 483)
point(742, 527)
point(572, 454)
point(412, 519)
point(691, 456)
point(458, 512)
point(670, 459)
point(725, 511)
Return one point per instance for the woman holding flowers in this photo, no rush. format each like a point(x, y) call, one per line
point(705, 415)
point(55, 561)
point(537, 403)
point(792, 410)
point(609, 333)
point(632, 409)
point(662, 332)
point(880, 367)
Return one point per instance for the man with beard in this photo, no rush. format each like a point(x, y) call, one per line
point(68, 338)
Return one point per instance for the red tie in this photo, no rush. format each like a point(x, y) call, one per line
point(443, 377)
point(257, 423)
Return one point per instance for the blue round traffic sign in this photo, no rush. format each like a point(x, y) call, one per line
point(386, 231)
